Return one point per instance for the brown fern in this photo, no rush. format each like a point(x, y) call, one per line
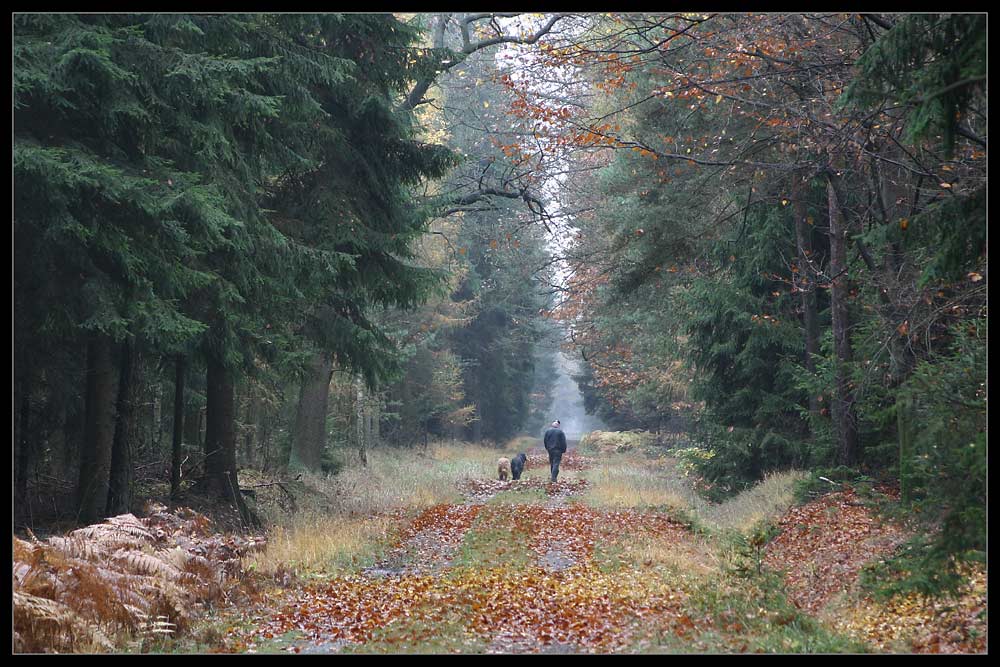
point(144, 563)
point(125, 577)
point(45, 625)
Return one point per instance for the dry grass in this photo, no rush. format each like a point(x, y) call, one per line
point(630, 486)
point(521, 444)
point(367, 504)
point(625, 481)
point(629, 482)
point(765, 502)
point(693, 558)
point(322, 543)
point(408, 479)
point(609, 442)
point(364, 505)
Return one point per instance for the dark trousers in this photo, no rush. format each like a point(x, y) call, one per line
point(554, 459)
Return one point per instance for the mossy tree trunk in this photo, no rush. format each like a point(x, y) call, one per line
point(309, 434)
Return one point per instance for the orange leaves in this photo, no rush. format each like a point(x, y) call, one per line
point(953, 624)
point(560, 598)
point(824, 544)
point(596, 135)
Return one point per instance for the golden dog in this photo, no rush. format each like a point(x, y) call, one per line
point(503, 469)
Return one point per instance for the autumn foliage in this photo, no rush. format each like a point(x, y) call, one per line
point(123, 578)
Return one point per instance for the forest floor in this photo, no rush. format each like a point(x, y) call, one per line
point(619, 556)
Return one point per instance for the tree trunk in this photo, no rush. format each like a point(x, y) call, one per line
point(193, 419)
point(250, 428)
point(360, 421)
point(73, 427)
point(264, 438)
point(842, 409)
point(220, 439)
point(806, 283)
point(99, 432)
point(156, 432)
point(219, 427)
point(22, 424)
point(309, 435)
point(905, 425)
point(127, 432)
point(177, 449)
point(891, 182)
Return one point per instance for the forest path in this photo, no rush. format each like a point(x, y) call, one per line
point(512, 569)
point(529, 566)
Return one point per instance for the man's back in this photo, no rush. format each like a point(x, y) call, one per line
point(555, 440)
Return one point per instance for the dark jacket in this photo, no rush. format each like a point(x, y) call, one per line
point(555, 440)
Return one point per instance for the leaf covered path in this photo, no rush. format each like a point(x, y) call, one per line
point(491, 576)
point(535, 567)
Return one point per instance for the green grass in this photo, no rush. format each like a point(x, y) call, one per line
point(443, 633)
point(754, 615)
point(495, 539)
point(525, 496)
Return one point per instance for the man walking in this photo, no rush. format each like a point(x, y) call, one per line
point(555, 445)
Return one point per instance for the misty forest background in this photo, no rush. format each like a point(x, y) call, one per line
point(274, 242)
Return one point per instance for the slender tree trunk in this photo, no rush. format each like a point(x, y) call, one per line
point(905, 426)
point(99, 432)
point(806, 283)
point(193, 418)
point(249, 428)
point(891, 181)
point(220, 439)
point(842, 408)
point(360, 421)
point(477, 423)
point(73, 427)
point(177, 449)
point(127, 431)
point(264, 438)
point(57, 436)
point(309, 434)
point(156, 432)
point(22, 438)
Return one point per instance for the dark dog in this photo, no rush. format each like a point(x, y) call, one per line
point(517, 465)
